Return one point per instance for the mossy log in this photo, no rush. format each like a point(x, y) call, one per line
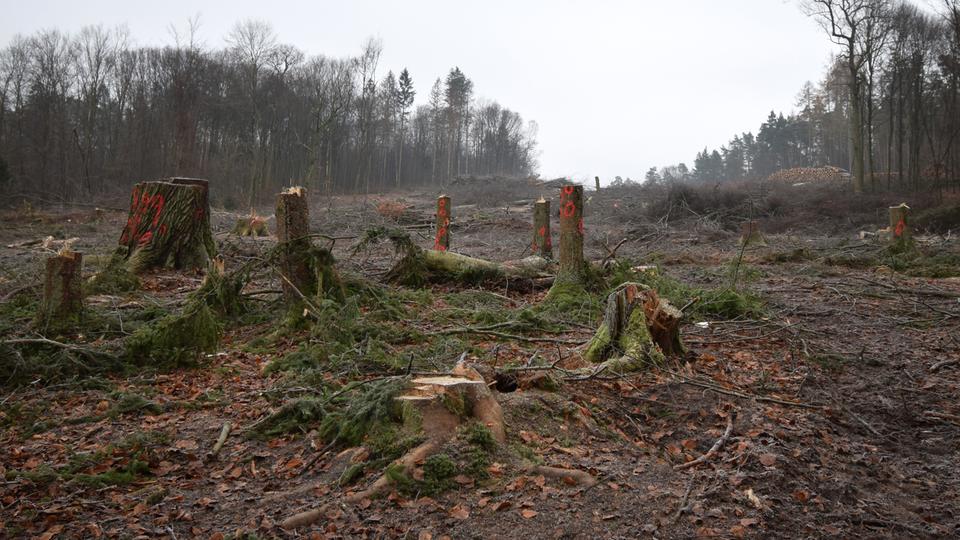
point(542, 243)
point(168, 225)
point(61, 306)
point(441, 241)
point(430, 265)
point(750, 234)
point(901, 232)
point(638, 328)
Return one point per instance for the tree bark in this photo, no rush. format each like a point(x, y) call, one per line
point(900, 230)
point(442, 241)
point(293, 230)
point(542, 242)
point(572, 265)
point(62, 304)
point(168, 225)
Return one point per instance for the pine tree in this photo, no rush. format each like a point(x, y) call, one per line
point(404, 100)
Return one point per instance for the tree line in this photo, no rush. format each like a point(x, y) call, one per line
point(91, 113)
point(887, 109)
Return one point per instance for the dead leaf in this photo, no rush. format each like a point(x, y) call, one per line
point(424, 535)
point(502, 505)
point(800, 496)
point(459, 512)
point(528, 514)
point(186, 444)
point(754, 499)
point(768, 459)
point(746, 522)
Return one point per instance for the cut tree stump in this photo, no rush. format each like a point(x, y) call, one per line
point(638, 327)
point(572, 265)
point(305, 271)
point(442, 404)
point(61, 307)
point(442, 241)
point(293, 243)
point(168, 225)
point(900, 230)
point(750, 234)
point(252, 225)
point(542, 243)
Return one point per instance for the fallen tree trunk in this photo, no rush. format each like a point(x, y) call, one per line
point(168, 226)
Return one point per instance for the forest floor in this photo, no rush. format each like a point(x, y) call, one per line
point(837, 366)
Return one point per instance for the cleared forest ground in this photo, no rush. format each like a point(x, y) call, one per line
point(837, 369)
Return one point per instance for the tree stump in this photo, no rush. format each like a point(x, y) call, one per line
point(168, 225)
point(597, 180)
point(542, 243)
point(293, 243)
point(572, 265)
point(900, 230)
point(442, 240)
point(253, 225)
point(750, 234)
point(638, 327)
point(306, 271)
point(62, 304)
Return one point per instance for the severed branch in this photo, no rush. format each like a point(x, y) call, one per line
point(713, 450)
point(224, 433)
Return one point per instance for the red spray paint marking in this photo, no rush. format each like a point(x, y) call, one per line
point(900, 226)
point(163, 230)
point(157, 208)
point(580, 226)
point(198, 214)
point(145, 238)
point(568, 209)
point(568, 190)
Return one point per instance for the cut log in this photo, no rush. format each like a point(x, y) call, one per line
point(61, 307)
point(750, 234)
point(900, 230)
point(442, 241)
point(638, 327)
point(542, 243)
point(572, 265)
point(168, 225)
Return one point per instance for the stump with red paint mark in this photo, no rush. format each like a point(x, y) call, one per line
point(900, 230)
point(62, 304)
point(542, 243)
point(442, 240)
point(168, 225)
point(572, 265)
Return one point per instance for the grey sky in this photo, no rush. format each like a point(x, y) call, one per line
point(615, 86)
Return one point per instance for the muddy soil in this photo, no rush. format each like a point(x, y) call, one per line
point(842, 395)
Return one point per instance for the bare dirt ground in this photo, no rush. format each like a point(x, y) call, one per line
point(841, 389)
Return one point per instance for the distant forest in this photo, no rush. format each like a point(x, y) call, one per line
point(895, 84)
point(90, 113)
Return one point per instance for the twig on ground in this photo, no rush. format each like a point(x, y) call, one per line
point(713, 450)
point(224, 433)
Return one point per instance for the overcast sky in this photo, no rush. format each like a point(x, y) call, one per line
point(615, 86)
